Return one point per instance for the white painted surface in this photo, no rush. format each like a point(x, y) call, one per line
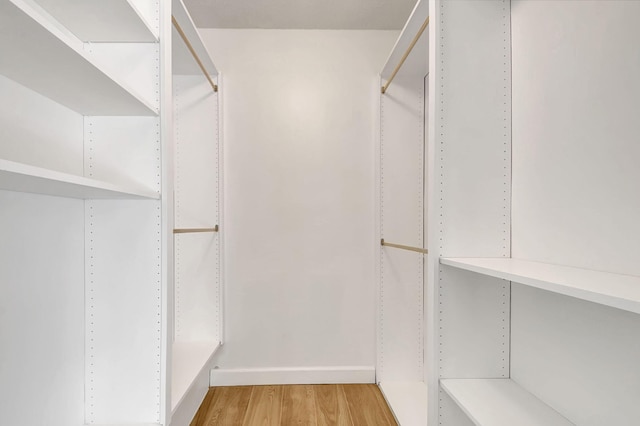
point(24, 178)
point(400, 298)
point(183, 61)
point(302, 14)
point(299, 205)
point(100, 21)
point(189, 361)
point(292, 375)
point(33, 44)
point(618, 291)
point(500, 402)
point(407, 400)
point(576, 99)
point(41, 310)
point(580, 357)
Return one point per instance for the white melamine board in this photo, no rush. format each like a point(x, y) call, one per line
point(618, 291)
point(579, 357)
point(576, 103)
point(189, 404)
point(473, 325)
point(500, 402)
point(407, 400)
point(123, 311)
point(400, 311)
point(123, 150)
point(189, 359)
point(472, 125)
point(183, 62)
point(197, 287)
point(41, 310)
point(38, 54)
point(134, 65)
point(24, 178)
point(101, 21)
point(196, 152)
point(419, 67)
point(449, 413)
point(38, 131)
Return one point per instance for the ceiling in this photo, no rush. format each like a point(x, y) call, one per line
point(301, 14)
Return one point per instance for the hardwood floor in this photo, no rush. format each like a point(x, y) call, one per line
point(315, 405)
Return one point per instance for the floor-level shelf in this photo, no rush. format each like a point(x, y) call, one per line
point(25, 178)
point(609, 289)
point(102, 21)
point(189, 358)
point(408, 401)
point(43, 56)
point(500, 402)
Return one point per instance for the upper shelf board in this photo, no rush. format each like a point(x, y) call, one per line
point(117, 21)
point(36, 180)
point(500, 402)
point(182, 60)
point(615, 290)
point(41, 55)
point(418, 62)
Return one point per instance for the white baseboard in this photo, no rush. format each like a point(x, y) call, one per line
point(292, 376)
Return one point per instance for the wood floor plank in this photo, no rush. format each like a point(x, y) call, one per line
point(229, 406)
point(367, 406)
point(299, 406)
point(331, 406)
point(199, 419)
point(265, 406)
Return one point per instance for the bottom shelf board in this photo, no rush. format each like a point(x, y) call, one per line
point(407, 400)
point(500, 402)
point(189, 358)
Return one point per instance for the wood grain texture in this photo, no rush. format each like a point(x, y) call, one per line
point(308, 405)
point(367, 405)
point(299, 406)
point(265, 406)
point(331, 406)
point(229, 406)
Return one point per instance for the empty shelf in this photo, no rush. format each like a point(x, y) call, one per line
point(100, 20)
point(500, 402)
point(183, 62)
point(615, 290)
point(408, 401)
point(41, 55)
point(25, 178)
point(189, 358)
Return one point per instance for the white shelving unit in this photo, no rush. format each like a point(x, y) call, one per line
point(615, 290)
point(40, 54)
point(500, 402)
point(401, 185)
point(86, 189)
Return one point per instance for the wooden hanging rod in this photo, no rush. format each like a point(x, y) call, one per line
point(403, 247)
point(194, 230)
point(193, 53)
point(406, 55)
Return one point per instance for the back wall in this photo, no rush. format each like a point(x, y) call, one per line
point(299, 110)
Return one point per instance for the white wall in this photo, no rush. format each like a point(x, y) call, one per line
point(299, 118)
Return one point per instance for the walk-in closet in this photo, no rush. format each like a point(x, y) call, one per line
point(432, 202)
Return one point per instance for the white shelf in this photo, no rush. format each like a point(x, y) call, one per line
point(413, 24)
point(182, 60)
point(189, 358)
point(42, 55)
point(100, 20)
point(25, 178)
point(407, 400)
point(500, 402)
point(615, 290)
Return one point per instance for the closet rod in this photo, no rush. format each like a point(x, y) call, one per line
point(193, 53)
point(194, 230)
point(403, 247)
point(406, 55)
